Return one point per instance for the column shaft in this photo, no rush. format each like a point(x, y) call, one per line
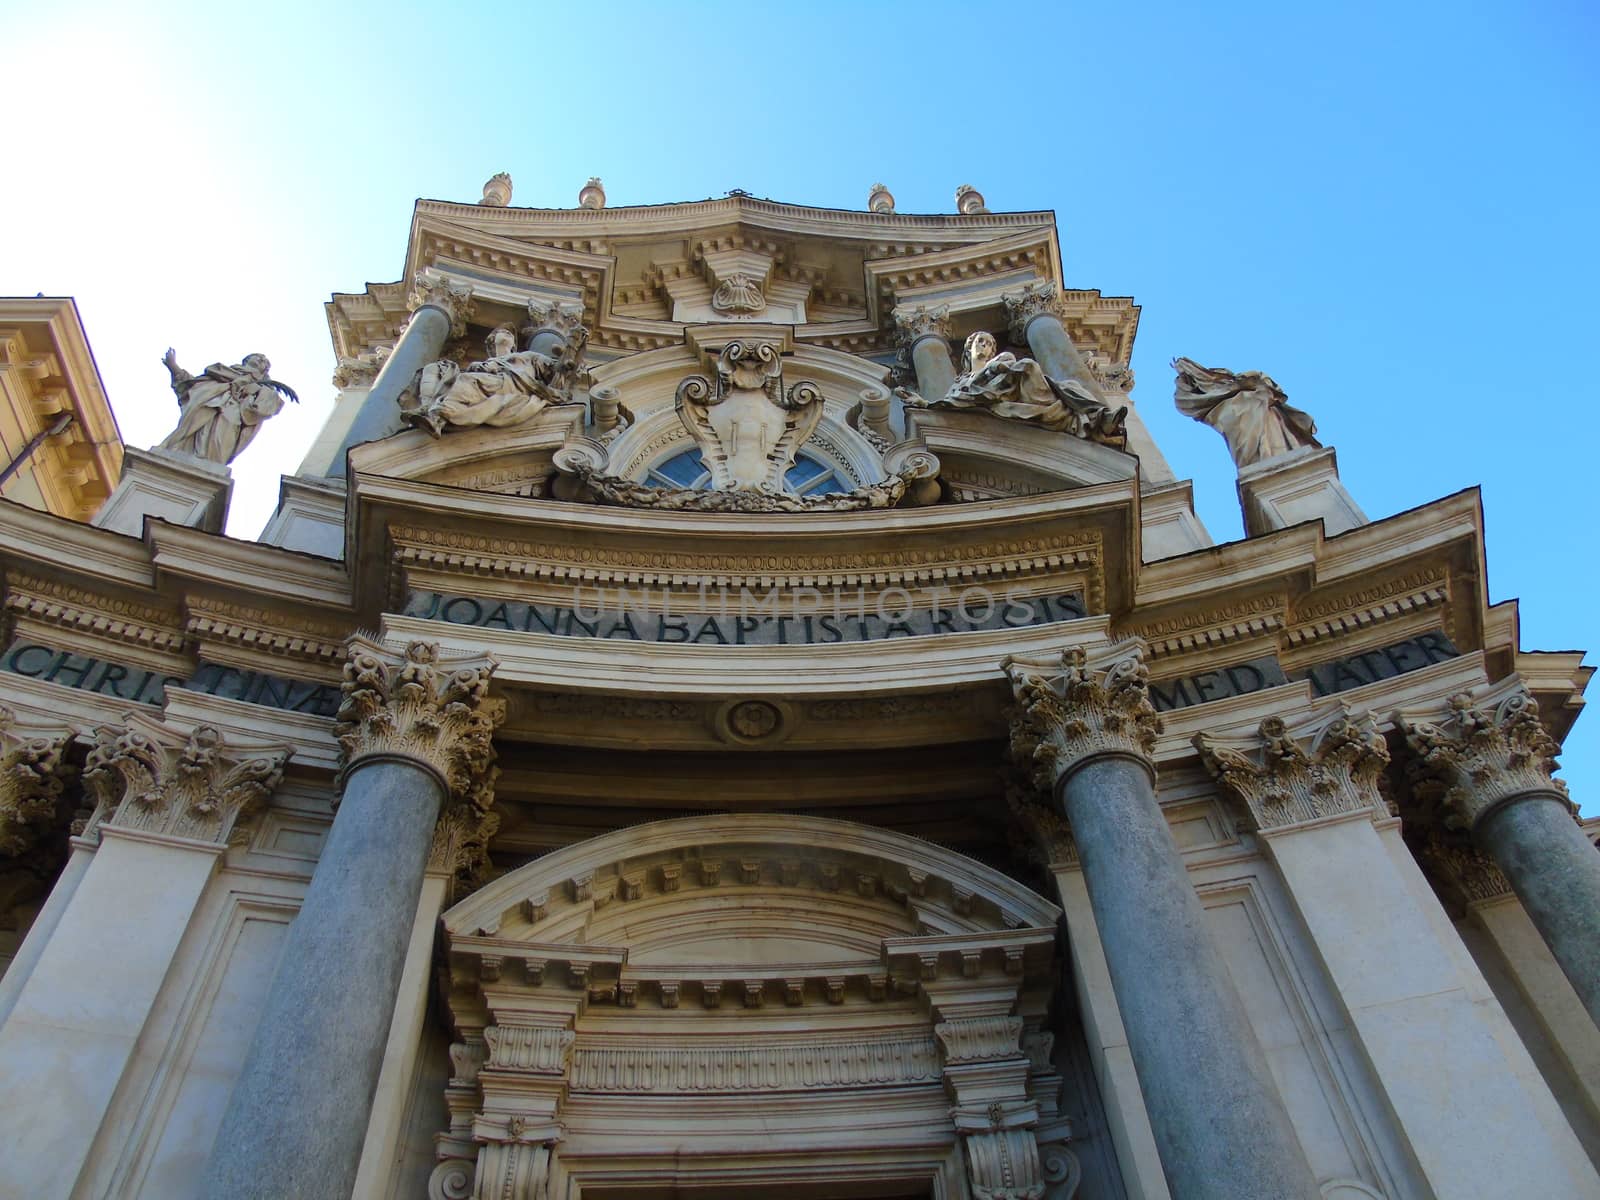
point(1555, 872)
point(1054, 351)
point(379, 415)
point(1218, 1120)
point(547, 342)
point(297, 1118)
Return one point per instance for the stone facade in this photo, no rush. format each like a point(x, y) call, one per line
point(691, 728)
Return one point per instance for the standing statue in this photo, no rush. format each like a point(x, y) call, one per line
point(506, 388)
point(1249, 409)
point(223, 407)
point(1018, 388)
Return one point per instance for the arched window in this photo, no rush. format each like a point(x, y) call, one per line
point(809, 476)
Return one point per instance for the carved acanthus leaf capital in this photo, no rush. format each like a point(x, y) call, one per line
point(452, 298)
point(420, 706)
point(460, 847)
point(1463, 870)
point(361, 370)
point(1037, 299)
point(564, 320)
point(197, 785)
point(1080, 710)
point(1485, 752)
point(1330, 771)
point(33, 772)
point(911, 325)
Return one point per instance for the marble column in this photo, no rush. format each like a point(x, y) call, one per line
point(552, 325)
point(1037, 321)
point(167, 802)
point(415, 732)
point(1219, 1123)
point(1464, 1094)
point(1494, 758)
point(460, 846)
point(924, 337)
point(439, 311)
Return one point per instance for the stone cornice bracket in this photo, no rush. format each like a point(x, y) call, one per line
point(1037, 299)
point(196, 785)
point(1087, 707)
point(564, 321)
point(451, 298)
point(1486, 751)
point(1335, 772)
point(911, 325)
point(429, 710)
point(33, 772)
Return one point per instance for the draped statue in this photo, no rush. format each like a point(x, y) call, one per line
point(223, 406)
point(1249, 410)
point(506, 388)
point(1018, 389)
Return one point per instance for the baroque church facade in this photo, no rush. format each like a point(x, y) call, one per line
point(735, 704)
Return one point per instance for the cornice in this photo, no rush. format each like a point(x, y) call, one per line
point(253, 569)
point(89, 612)
point(57, 546)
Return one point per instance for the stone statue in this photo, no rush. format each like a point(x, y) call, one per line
point(506, 388)
point(1249, 409)
point(1018, 389)
point(222, 407)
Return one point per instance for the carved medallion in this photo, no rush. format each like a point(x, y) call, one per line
point(748, 428)
point(738, 293)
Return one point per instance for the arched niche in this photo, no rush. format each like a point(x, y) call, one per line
point(789, 1005)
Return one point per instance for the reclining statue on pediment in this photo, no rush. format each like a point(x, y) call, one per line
point(507, 388)
point(1019, 390)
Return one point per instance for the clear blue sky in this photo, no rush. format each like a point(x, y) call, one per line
point(1389, 207)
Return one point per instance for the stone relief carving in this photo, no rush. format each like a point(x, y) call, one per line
point(1453, 861)
point(145, 776)
point(1292, 784)
point(626, 493)
point(747, 426)
point(420, 706)
point(361, 370)
point(738, 294)
point(1040, 298)
point(755, 1066)
point(223, 406)
point(559, 318)
point(508, 387)
point(1248, 409)
point(1484, 757)
point(1065, 715)
point(1019, 390)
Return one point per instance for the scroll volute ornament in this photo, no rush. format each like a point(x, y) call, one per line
point(1485, 756)
point(747, 427)
point(1336, 772)
point(196, 785)
point(32, 776)
point(1084, 708)
point(419, 706)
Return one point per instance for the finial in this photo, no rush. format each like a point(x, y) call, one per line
point(591, 194)
point(880, 199)
point(497, 191)
point(969, 200)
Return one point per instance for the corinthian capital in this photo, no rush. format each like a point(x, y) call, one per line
point(193, 785)
point(1329, 771)
point(454, 299)
point(1082, 709)
point(419, 706)
point(1485, 751)
point(361, 370)
point(32, 774)
point(555, 316)
point(911, 325)
point(1037, 299)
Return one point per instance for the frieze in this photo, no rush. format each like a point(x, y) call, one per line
point(753, 1068)
point(765, 623)
point(456, 553)
point(1326, 679)
point(269, 691)
point(1412, 593)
